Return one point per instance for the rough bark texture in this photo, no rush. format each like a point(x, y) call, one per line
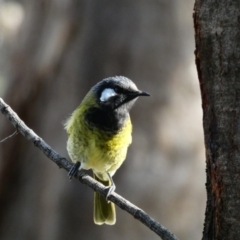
point(217, 29)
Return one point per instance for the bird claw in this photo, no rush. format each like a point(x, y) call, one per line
point(73, 170)
point(111, 188)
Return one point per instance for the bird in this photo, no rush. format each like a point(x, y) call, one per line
point(99, 134)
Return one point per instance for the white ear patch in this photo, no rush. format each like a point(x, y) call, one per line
point(106, 94)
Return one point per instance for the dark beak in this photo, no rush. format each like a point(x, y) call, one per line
point(132, 95)
point(141, 93)
point(136, 94)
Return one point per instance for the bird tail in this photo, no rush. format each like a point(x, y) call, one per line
point(104, 212)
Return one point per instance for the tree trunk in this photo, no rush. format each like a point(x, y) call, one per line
point(217, 53)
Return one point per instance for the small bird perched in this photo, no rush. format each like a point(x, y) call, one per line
point(99, 133)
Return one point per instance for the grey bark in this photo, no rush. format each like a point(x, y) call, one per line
point(217, 53)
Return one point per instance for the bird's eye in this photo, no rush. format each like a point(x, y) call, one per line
point(117, 90)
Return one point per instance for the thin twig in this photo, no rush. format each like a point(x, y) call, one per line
point(5, 139)
point(82, 177)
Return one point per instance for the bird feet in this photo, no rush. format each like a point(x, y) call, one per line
point(73, 170)
point(111, 188)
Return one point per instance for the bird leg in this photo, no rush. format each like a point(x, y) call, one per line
point(111, 188)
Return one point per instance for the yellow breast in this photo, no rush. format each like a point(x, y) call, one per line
point(99, 150)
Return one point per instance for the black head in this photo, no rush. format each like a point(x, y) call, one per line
point(113, 98)
point(117, 93)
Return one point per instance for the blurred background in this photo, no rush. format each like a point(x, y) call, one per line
point(51, 53)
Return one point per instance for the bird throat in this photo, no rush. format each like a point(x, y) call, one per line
point(106, 120)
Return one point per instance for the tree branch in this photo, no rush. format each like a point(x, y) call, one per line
point(10, 136)
point(82, 177)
